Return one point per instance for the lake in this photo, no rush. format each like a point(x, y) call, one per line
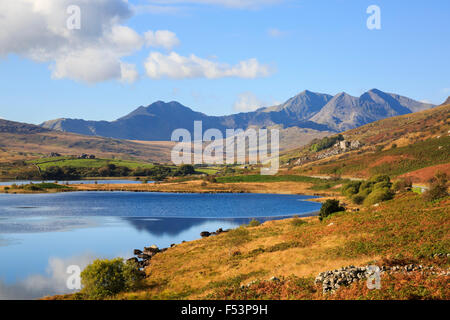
point(42, 234)
point(22, 182)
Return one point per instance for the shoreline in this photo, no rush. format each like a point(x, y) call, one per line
point(191, 186)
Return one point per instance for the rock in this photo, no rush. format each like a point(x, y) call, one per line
point(133, 260)
point(146, 263)
point(220, 230)
point(172, 245)
point(151, 250)
point(144, 256)
point(274, 279)
point(137, 251)
point(205, 234)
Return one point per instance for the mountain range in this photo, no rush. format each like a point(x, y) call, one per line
point(307, 110)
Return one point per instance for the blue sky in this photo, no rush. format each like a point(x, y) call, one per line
point(322, 46)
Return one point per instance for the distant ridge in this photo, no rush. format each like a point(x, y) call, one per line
point(446, 101)
point(307, 110)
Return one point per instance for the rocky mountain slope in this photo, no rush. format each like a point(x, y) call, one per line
point(307, 110)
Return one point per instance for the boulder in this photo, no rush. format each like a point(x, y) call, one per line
point(205, 234)
point(137, 251)
point(144, 256)
point(151, 250)
point(133, 260)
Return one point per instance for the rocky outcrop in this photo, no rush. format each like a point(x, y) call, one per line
point(332, 280)
point(339, 148)
point(142, 258)
point(206, 234)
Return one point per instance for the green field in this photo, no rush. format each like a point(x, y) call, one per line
point(45, 163)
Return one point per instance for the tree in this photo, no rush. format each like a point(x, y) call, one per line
point(438, 187)
point(329, 207)
point(104, 278)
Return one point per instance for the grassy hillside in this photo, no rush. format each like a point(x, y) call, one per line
point(25, 141)
point(406, 228)
point(394, 146)
point(394, 161)
point(239, 263)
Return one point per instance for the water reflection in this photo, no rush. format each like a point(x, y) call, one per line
point(40, 235)
point(176, 226)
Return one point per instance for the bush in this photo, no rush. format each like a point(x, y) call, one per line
point(296, 222)
point(104, 278)
point(326, 143)
point(378, 195)
point(184, 170)
point(329, 207)
point(351, 188)
point(402, 184)
point(358, 199)
point(374, 190)
point(254, 223)
point(380, 178)
point(438, 188)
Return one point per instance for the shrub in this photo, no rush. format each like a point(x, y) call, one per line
point(237, 237)
point(329, 207)
point(254, 223)
point(358, 199)
point(184, 170)
point(351, 188)
point(296, 222)
point(382, 185)
point(376, 189)
point(378, 195)
point(402, 184)
point(380, 178)
point(438, 187)
point(104, 278)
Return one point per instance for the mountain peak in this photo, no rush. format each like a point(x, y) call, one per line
point(302, 106)
point(305, 110)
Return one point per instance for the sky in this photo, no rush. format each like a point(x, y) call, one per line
point(101, 59)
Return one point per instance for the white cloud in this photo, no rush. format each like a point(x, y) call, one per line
point(275, 33)
point(175, 66)
point(239, 4)
point(248, 101)
point(128, 73)
point(37, 29)
point(161, 38)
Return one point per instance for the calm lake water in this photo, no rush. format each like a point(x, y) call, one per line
point(42, 234)
point(22, 182)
